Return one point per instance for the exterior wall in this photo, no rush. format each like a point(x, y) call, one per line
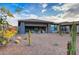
point(21, 28)
point(38, 25)
point(64, 29)
point(68, 28)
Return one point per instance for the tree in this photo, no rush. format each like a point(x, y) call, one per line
point(4, 13)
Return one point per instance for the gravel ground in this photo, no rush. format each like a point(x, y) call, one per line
point(42, 44)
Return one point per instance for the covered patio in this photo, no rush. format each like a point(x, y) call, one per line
point(44, 25)
point(34, 25)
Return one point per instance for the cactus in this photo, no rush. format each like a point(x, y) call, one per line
point(73, 41)
point(29, 37)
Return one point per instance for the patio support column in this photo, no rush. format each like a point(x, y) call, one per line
point(49, 27)
point(59, 29)
point(77, 28)
point(46, 29)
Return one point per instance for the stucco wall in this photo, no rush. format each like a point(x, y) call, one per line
point(21, 28)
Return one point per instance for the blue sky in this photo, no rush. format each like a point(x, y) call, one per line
point(41, 10)
point(33, 8)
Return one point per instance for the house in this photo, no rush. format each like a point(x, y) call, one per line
point(43, 26)
point(34, 25)
point(66, 26)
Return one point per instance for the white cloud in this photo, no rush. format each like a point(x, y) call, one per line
point(25, 16)
point(69, 10)
point(43, 10)
point(44, 5)
point(14, 21)
point(64, 7)
point(48, 18)
point(26, 11)
point(56, 8)
point(31, 16)
point(53, 19)
point(73, 11)
point(59, 3)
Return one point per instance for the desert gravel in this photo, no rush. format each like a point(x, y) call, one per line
point(41, 44)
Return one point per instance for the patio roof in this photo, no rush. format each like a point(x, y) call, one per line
point(59, 20)
point(52, 20)
point(35, 20)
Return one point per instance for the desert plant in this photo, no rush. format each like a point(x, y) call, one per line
point(4, 13)
point(29, 37)
point(3, 41)
point(73, 41)
point(68, 48)
point(72, 47)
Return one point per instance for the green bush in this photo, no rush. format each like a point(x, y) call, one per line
point(3, 41)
